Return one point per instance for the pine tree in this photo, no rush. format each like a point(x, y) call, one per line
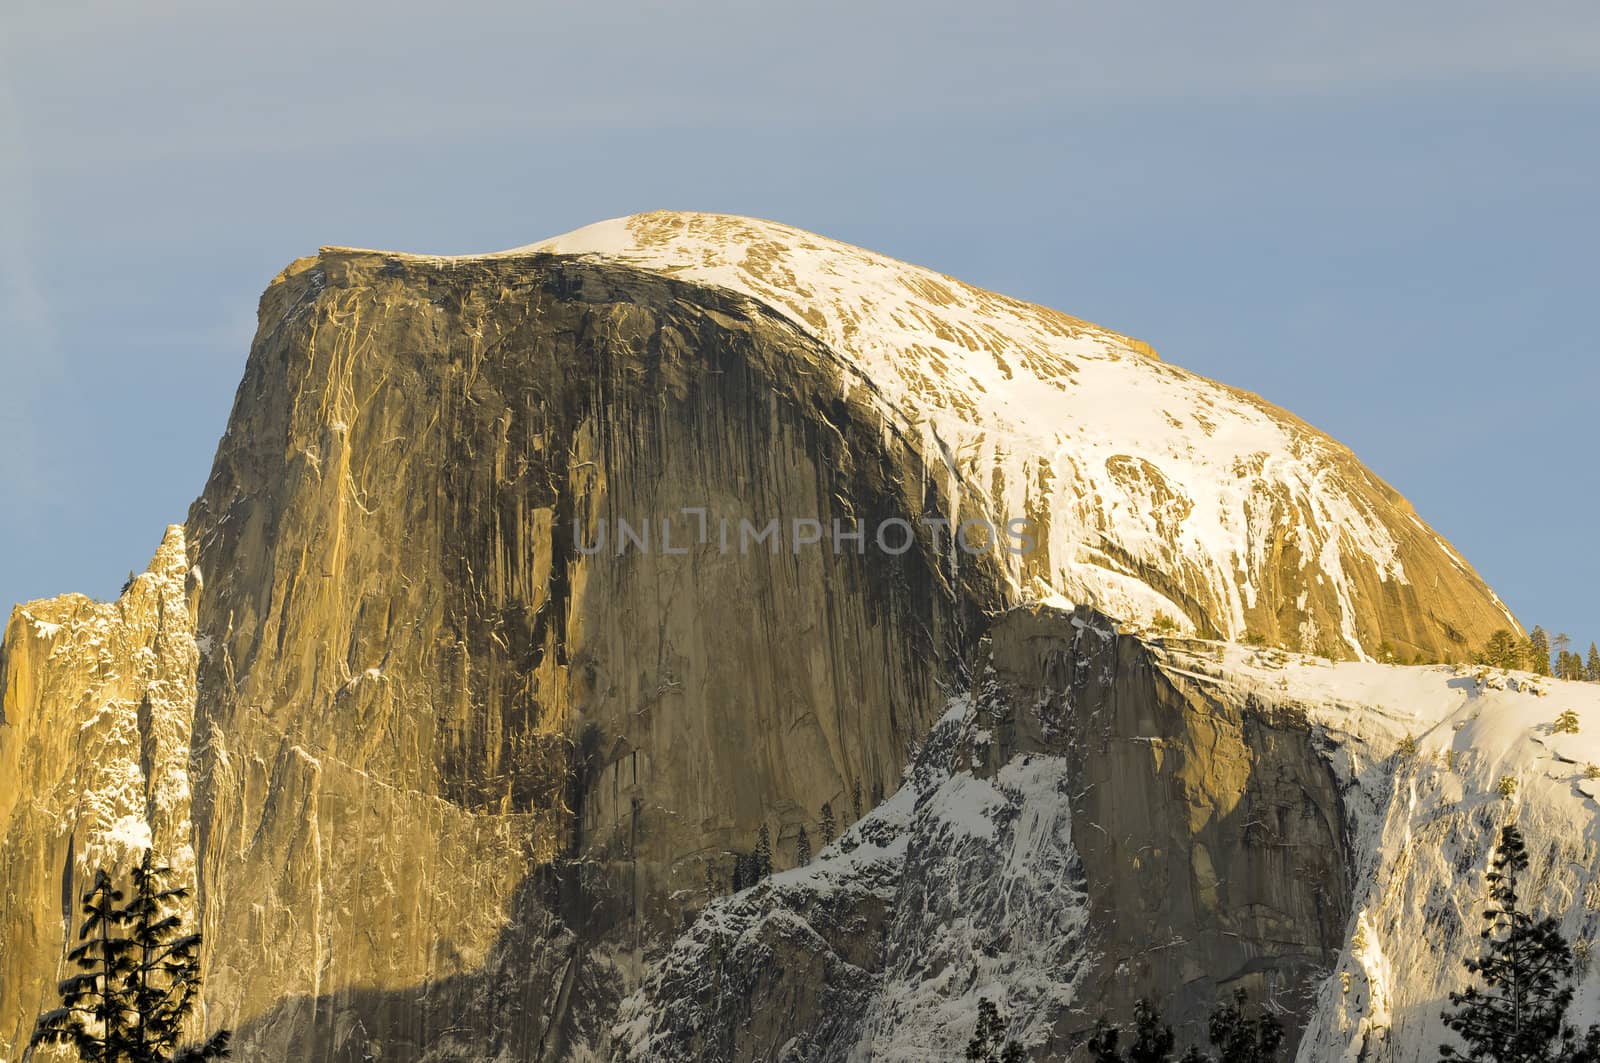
point(1103, 1042)
point(1539, 651)
point(1526, 655)
point(1519, 1014)
point(93, 1014)
point(1592, 671)
point(165, 976)
point(1239, 1038)
point(855, 802)
point(1502, 649)
point(137, 989)
point(763, 857)
point(827, 824)
point(802, 848)
point(741, 872)
point(711, 881)
point(1152, 1039)
point(989, 1044)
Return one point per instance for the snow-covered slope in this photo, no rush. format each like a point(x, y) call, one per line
point(1152, 490)
point(1425, 826)
point(1036, 880)
point(955, 889)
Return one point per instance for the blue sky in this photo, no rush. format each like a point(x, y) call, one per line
point(1383, 220)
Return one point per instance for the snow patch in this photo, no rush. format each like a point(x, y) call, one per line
point(1423, 821)
point(1037, 413)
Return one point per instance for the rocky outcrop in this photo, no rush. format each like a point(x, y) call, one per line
point(1210, 828)
point(1085, 828)
point(96, 700)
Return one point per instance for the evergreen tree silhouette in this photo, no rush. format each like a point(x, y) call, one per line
point(855, 802)
point(93, 1015)
point(828, 824)
point(1518, 1015)
point(1239, 1038)
point(1103, 1042)
point(1539, 651)
point(139, 975)
point(1502, 649)
point(763, 857)
point(802, 848)
point(1591, 671)
point(989, 1044)
point(1152, 1039)
point(165, 977)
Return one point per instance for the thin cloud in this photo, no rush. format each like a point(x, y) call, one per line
point(199, 80)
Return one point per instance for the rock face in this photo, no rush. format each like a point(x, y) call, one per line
point(96, 704)
point(451, 772)
point(424, 706)
point(1086, 828)
point(1150, 490)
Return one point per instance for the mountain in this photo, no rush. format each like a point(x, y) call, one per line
point(455, 778)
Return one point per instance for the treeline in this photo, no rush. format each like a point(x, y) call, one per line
point(1514, 1007)
point(1235, 1033)
point(1540, 654)
point(750, 868)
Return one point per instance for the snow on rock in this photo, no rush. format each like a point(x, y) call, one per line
point(993, 912)
point(1424, 826)
point(1151, 490)
point(967, 883)
point(955, 888)
point(98, 702)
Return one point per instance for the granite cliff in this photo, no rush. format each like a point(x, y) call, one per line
point(454, 778)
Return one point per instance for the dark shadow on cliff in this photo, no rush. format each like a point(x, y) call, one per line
point(536, 992)
point(1210, 827)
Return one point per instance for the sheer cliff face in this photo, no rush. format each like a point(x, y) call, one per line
point(446, 776)
point(1085, 828)
point(425, 708)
